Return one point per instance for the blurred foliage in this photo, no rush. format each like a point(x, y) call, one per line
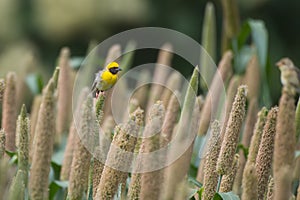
point(35, 83)
point(33, 28)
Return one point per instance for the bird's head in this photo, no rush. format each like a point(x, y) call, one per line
point(113, 67)
point(285, 63)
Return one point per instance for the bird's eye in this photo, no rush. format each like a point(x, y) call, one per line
point(114, 70)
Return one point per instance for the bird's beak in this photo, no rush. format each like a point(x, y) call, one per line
point(278, 64)
point(119, 69)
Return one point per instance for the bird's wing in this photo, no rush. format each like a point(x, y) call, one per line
point(96, 81)
point(298, 72)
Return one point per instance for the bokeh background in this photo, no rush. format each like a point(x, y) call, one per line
point(32, 31)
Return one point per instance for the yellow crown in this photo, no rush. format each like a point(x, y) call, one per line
point(111, 65)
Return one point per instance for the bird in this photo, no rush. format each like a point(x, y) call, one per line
point(105, 79)
point(290, 75)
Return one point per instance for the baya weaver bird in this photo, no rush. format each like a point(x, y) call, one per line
point(106, 78)
point(290, 75)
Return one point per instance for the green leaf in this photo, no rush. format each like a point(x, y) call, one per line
point(208, 42)
point(56, 162)
point(192, 171)
point(26, 194)
point(194, 186)
point(53, 188)
point(57, 186)
point(62, 184)
point(56, 169)
point(226, 196)
point(260, 38)
point(13, 157)
point(297, 153)
point(200, 191)
point(194, 181)
point(58, 157)
point(35, 83)
point(265, 95)
point(90, 194)
point(11, 153)
point(192, 198)
point(90, 180)
point(191, 193)
point(242, 58)
point(118, 195)
point(127, 59)
point(76, 62)
point(217, 197)
point(244, 149)
point(243, 35)
point(14, 160)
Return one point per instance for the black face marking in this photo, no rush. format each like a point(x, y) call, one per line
point(114, 70)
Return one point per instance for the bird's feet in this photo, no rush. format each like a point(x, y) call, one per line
point(102, 93)
point(99, 92)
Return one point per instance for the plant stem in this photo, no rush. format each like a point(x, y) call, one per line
point(219, 183)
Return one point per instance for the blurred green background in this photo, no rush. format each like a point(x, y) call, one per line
point(33, 31)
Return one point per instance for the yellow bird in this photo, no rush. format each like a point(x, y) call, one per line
point(106, 78)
